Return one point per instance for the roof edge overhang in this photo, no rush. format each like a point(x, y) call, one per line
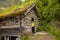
point(25, 11)
point(34, 8)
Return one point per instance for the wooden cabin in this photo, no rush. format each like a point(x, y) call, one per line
point(22, 20)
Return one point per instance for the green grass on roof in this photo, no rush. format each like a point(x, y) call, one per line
point(12, 8)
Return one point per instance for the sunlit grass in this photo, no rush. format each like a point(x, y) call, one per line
point(12, 8)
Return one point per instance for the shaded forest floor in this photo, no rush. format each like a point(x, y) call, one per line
point(41, 36)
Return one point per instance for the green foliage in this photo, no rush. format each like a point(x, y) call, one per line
point(51, 29)
point(14, 7)
point(50, 12)
point(57, 15)
point(47, 8)
point(59, 1)
point(25, 37)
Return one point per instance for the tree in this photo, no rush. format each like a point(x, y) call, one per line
point(47, 8)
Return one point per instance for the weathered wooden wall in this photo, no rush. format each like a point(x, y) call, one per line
point(11, 23)
point(26, 21)
point(11, 28)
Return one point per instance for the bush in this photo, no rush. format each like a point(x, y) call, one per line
point(51, 29)
point(25, 37)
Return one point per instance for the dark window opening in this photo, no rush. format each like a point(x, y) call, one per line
point(12, 19)
point(2, 38)
point(12, 38)
point(16, 21)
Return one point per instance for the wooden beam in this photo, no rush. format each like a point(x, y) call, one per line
point(20, 24)
point(21, 27)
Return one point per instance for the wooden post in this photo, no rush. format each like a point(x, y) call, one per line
point(21, 27)
point(18, 38)
point(5, 38)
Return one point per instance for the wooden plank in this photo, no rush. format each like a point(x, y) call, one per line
point(14, 26)
point(10, 32)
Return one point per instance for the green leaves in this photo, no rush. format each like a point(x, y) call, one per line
point(25, 37)
point(48, 8)
point(52, 3)
point(50, 11)
point(59, 1)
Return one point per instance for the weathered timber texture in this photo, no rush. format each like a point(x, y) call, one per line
point(26, 21)
point(13, 31)
point(12, 28)
point(16, 26)
point(11, 23)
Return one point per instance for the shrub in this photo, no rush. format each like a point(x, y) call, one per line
point(25, 37)
point(51, 29)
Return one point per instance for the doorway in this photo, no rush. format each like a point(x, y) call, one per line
point(9, 38)
point(33, 25)
point(12, 38)
point(2, 38)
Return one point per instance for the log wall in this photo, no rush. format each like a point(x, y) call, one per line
point(26, 21)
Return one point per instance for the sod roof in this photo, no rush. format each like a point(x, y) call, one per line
point(15, 10)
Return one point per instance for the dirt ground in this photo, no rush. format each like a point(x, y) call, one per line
point(41, 36)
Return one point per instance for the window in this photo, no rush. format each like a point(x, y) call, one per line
point(17, 19)
point(14, 20)
point(11, 20)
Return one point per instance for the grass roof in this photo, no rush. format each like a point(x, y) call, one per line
point(14, 9)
